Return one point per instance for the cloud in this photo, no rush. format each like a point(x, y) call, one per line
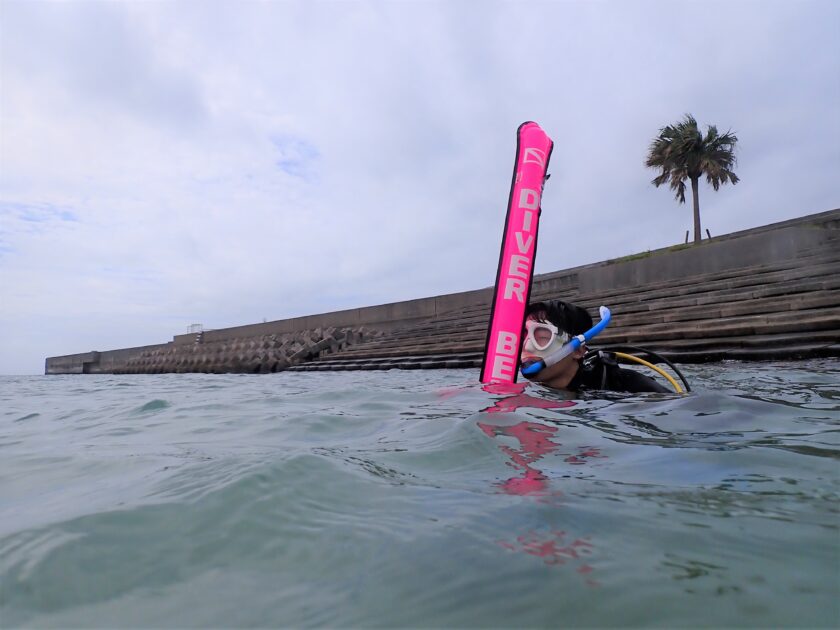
point(228, 162)
point(91, 55)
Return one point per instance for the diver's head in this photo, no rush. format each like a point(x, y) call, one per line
point(548, 326)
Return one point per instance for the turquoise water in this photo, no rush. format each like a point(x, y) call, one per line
point(387, 499)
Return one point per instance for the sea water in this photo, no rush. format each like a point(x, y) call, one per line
point(419, 498)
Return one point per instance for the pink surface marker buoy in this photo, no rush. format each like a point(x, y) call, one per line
point(516, 259)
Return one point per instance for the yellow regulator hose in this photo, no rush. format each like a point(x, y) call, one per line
point(653, 367)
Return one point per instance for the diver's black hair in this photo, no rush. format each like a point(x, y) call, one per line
point(568, 317)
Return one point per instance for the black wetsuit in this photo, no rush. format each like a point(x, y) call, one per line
point(602, 372)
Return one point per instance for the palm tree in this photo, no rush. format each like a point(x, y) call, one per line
point(682, 152)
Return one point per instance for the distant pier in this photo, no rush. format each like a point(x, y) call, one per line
point(766, 293)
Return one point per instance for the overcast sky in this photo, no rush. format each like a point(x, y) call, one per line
point(169, 163)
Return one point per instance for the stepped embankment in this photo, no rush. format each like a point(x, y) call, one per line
point(771, 292)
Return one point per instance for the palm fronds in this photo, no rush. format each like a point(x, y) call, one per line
point(681, 152)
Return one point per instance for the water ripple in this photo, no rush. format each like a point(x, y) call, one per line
point(419, 499)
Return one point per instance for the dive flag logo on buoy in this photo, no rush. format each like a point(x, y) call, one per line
point(534, 156)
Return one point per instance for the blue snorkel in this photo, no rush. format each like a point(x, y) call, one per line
point(534, 368)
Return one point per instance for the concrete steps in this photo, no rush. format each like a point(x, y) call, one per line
point(402, 362)
point(696, 292)
point(787, 309)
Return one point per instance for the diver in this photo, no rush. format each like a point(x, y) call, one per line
point(549, 326)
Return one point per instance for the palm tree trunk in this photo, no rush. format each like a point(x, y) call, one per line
point(695, 193)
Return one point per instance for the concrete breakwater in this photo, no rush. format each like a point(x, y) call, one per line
point(254, 355)
point(769, 292)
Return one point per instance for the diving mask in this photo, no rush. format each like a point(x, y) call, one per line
point(542, 338)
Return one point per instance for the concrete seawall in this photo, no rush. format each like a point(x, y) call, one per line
point(786, 248)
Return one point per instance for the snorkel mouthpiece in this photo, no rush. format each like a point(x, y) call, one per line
point(526, 366)
point(533, 368)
